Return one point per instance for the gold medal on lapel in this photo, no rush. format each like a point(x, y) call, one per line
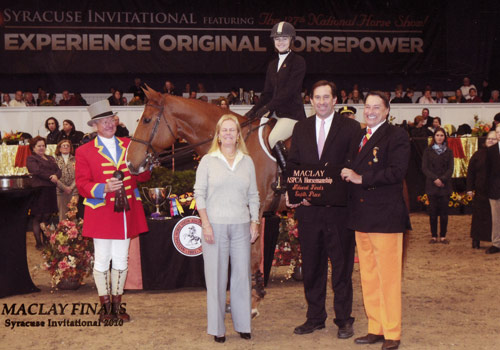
point(375, 151)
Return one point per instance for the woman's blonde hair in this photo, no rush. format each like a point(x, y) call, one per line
point(240, 142)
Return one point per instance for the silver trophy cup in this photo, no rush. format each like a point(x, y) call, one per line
point(157, 196)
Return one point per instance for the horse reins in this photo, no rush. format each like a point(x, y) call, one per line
point(155, 157)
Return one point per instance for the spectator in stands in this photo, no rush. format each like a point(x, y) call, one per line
point(192, 95)
point(18, 100)
point(495, 96)
point(136, 100)
point(485, 91)
point(477, 186)
point(466, 88)
point(54, 135)
point(342, 97)
point(5, 100)
point(222, 103)
point(45, 174)
point(187, 88)
point(137, 89)
point(169, 88)
point(51, 100)
point(437, 165)
point(124, 101)
point(203, 98)
point(436, 124)
point(419, 130)
point(427, 98)
point(66, 187)
point(357, 97)
point(440, 97)
point(116, 98)
point(474, 98)
point(201, 88)
point(427, 118)
point(29, 99)
point(70, 133)
point(408, 98)
point(458, 98)
point(307, 99)
point(234, 96)
point(67, 99)
point(42, 96)
point(398, 97)
point(121, 129)
point(80, 100)
point(255, 99)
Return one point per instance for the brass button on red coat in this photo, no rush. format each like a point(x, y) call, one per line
point(361, 200)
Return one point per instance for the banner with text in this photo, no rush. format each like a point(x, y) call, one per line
point(219, 37)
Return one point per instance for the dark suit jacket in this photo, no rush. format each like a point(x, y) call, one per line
point(493, 171)
point(42, 169)
point(304, 151)
point(435, 167)
point(377, 205)
point(282, 89)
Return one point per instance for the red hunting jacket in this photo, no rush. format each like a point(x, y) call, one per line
point(94, 165)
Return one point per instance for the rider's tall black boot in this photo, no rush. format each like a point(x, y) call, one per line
point(281, 154)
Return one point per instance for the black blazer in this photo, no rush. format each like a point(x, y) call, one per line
point(493, 171)
point(304, 151)
point(283, 88)
point(377, 205)
point(42, 169)
point(436, 166)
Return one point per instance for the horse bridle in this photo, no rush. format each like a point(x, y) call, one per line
point(153, 156)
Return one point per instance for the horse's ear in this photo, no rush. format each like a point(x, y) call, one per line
point(149, 91)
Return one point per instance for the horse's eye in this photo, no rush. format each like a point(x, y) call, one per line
point(146, 121)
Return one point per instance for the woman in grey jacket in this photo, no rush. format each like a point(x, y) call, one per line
point(437, 165)
point(228, 202)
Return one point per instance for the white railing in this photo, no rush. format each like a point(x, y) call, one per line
point(32, 119)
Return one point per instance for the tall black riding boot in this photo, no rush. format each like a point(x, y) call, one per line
point(281, 154)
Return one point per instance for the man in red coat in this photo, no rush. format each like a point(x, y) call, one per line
point(114, 211)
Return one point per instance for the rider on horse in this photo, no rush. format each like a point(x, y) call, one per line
point(281, 97)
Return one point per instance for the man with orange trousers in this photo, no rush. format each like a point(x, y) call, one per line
point(377, 212)
point(113, 212)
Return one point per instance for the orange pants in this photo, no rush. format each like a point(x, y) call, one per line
point(380, 263)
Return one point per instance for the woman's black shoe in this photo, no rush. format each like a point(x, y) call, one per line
point(220, 339)
point(246, 335)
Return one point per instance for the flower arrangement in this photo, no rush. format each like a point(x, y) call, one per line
point(12, 137)
point(456, 199)
point(288, 247)
point(423, 199)
point(480, 128)
point(68, 255)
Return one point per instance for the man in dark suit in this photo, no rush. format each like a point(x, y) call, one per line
point(493, 171)
point(318, 140)
point(377, 212)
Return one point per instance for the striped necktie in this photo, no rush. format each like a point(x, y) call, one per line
point(366, 137)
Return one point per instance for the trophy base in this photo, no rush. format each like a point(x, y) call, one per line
point(158, 216)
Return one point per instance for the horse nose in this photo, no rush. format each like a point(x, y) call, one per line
point(132, 169)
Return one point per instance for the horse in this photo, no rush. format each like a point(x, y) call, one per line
point(167, 118)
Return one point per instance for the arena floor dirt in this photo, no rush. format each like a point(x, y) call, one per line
point(450, 301)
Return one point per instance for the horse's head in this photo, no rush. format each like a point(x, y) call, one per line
point(156, 131)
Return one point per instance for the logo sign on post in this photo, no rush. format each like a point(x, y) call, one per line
point(315, 183)
point(186, 236)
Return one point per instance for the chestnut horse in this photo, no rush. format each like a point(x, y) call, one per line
point(167, 118)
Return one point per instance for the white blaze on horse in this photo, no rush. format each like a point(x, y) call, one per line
point(167, 118)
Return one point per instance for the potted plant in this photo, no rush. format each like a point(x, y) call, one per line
point(68, 255)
